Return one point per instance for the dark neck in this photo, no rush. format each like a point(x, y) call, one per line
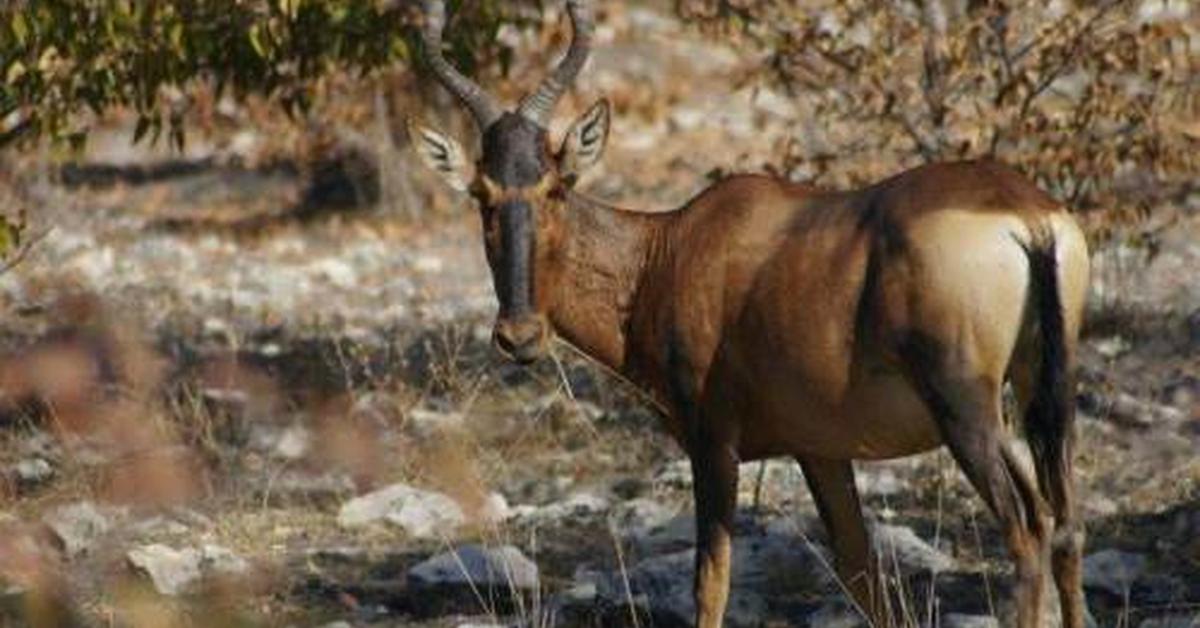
point(608, 253)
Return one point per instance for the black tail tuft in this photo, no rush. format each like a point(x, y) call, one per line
point(1049, 421)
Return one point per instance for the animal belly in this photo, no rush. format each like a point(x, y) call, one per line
point(881, 417)
point(890, 419)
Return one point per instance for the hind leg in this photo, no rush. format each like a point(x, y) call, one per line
point(1066, 544)
point(968, 414)
point(1067, 557)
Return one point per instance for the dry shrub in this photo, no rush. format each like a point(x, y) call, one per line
point(59, 375)
point(451, 465)
point(1098, 102)
point(98, 388)
point(225, 396)
point(145, 463)
point(351, 443)
point(138, 606)
point(26, 562)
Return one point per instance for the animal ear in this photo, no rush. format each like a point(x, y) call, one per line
point(441, 153)
point(585, 141)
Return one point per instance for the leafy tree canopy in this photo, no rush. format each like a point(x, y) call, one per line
point(63, 58)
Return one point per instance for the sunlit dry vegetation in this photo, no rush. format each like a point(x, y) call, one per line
point(217, 349)
point(1098, 102)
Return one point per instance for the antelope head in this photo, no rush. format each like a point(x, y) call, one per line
point(518, 181)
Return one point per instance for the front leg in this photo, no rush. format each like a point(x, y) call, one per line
point(714, 485)
point(831, 483)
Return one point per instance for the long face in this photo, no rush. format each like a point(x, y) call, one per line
point(512, 188)
point(521, 188)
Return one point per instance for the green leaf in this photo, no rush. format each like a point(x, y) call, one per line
point(10, 235)
point(177, 38)
point(290, 8)
point(15, 72)
point(20, 28)
point(256, 41)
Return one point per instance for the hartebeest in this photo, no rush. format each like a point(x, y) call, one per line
point(767, 318)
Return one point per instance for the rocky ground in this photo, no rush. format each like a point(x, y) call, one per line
point(219, 409)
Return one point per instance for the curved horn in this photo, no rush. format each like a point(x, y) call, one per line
point(538, 105)
point(481, 104)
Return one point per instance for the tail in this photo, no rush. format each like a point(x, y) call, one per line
point(1050, 419)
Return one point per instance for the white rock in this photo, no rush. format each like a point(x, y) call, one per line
point(336, 272)
point(422, 514)
point(495, 508)
point(774, 103)
point(215, 559)
point(171, 571)
point(429, 264)
point(687, 118)
point(1154, 11)
point(293, 443)
point(78, 526)
point(175, 572)
point(1130, 410)
point(901, 545)
point(879, 481)
point(217, 328)
point(425, 423)
point(501, 567)
point(1112, 346)
point(1100, 505)
point(33, 471)
point(574, 507)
